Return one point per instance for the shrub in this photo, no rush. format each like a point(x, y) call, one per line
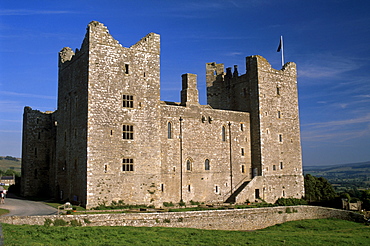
point(182, 203)
point(290, 201)
point(194, 203)
point(87, 221)
point(48, 222)
point(168, 204)
point(60, 222)
point(166, 221)
point(75, 223)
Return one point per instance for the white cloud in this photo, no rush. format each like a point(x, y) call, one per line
point(327, 66)
point(337, 131)
point(363, 119)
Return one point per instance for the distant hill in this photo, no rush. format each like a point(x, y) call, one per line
point(362, 168)
point(9, 162)
point(343, 176)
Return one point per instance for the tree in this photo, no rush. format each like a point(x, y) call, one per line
point(318, 189)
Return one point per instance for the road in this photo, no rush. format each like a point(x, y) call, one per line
point(21, 207)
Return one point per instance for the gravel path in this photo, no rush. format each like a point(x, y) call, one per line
point(21, 207)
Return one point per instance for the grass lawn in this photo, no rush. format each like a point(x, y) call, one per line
point(3, 211)
point(305, 232)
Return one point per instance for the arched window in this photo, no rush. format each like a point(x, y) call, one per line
point(223, 133)
point(169, 130)
point(188, 165)
point(206, 165)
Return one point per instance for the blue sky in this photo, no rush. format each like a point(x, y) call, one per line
point(329, 40)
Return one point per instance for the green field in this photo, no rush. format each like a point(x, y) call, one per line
point(343, 177)
point(305, 232)
point(10, 164)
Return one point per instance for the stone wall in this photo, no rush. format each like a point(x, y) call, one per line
point(240, 219)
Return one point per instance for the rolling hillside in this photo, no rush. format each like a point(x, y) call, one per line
point(10, 163)
point(343, 176)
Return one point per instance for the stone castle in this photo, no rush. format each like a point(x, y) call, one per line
point(112, 138)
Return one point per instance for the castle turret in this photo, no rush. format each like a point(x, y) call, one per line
point(189, 92)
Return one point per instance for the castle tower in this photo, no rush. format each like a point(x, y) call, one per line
point(276, 145)
point(38, 144)
point(271, 98)
point(107, 95)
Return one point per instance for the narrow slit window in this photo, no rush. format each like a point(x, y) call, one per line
point(280, 138)
point(242, 151)
point(206, 165)
point(223, 133)
point(126, 69)
point(279, 114)
point(188, 165)
point(278, 91)
point(169, 130)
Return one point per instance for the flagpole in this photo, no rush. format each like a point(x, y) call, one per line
point(282, 50)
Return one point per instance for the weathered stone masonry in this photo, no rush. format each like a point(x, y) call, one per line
point(239, 219)
point(112, 139)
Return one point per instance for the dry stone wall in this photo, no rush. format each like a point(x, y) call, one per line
point(241, 219)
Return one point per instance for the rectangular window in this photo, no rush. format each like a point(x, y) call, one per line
point(279, 114)
point(281, 165)
point(242, 150)
point(243, 168)
point(128, 101)
point(128, 165)
point(274, 167)
point(280, 138)
point(126, 69)
point(128, 132)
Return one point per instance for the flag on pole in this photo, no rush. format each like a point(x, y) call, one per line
point(280, 43)
point(281, 48)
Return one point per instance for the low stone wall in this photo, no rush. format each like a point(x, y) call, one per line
point(238, 219)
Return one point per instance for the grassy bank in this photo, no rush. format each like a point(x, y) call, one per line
point(305, 232)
